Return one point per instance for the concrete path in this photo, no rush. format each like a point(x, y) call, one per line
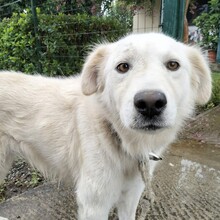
point(186, 183)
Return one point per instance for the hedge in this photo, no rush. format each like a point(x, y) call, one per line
point(64, 41)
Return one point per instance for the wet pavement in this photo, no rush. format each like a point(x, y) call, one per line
point(186, 183)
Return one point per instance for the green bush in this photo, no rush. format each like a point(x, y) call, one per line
point(209, 23)
point(17, 50)
point(64, 41)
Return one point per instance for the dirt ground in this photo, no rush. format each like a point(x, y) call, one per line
point(19, 179)
point(186, 182)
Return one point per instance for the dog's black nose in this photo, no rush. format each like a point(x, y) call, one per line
point(150, 103)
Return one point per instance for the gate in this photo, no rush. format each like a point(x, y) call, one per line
point(173, 18)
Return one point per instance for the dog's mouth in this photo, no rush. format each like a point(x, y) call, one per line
point(149, 125)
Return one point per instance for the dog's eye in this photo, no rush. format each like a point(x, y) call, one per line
point(172, 65)
point(123, 67)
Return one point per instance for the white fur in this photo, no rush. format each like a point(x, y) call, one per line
point(81, 129)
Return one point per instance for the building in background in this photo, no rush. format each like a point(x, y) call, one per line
point(175, 18)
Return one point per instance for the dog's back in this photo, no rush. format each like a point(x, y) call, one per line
point(37, 117)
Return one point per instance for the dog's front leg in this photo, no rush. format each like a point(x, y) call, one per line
point(130, 197)
point(97, 192)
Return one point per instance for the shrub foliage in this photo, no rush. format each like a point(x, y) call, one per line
point(64, 41)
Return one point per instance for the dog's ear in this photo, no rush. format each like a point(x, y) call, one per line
point(201, 76)
point(92, 79)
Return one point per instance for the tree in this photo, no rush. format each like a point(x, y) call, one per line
point(121, 12)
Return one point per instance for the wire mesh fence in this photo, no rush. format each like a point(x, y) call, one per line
point(53, 37)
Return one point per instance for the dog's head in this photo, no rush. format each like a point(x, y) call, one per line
point(150, 81)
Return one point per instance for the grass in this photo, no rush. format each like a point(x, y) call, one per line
point(215, 99)
point(216, 76)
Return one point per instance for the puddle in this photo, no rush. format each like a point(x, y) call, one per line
point(187, 182)
point(201, 173)
point(197, 152)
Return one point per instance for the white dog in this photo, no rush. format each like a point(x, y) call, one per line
point(132, 98)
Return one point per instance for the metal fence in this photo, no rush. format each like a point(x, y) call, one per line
point(60, 52)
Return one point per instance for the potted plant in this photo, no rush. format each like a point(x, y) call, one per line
point(209, 25)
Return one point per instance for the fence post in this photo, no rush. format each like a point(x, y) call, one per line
point(218, 49)
point(35, 21)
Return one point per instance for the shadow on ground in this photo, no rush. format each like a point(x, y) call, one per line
point(186, 183)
